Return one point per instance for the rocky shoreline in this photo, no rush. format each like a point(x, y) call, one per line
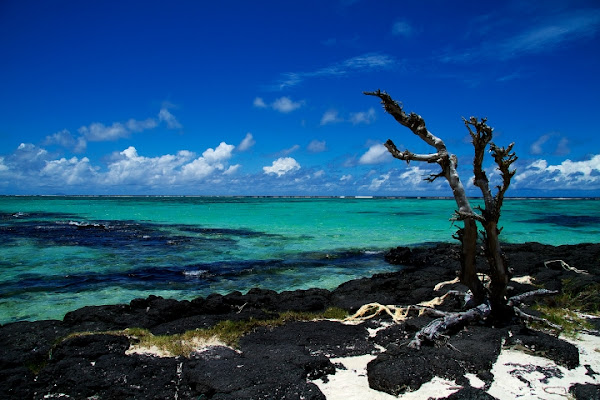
point(287, 362)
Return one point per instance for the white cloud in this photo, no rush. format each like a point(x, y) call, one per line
point(330, 117)
point(345, 178)
point(129, 167)
point(165, 116)
point(221, 154)
point(28, 154)
point(566, 175)
point(319, 173)
point(286, 152)
point(65, 139)
point(259, 102)
point(3, 167)
point(98, 132)
point(232, 169)
point(139, 126)
point(247, 142)
point(402, 28)
point(363, 62)
point(363, 117)
point(536, 147)
point(376, 154)
point(317, 146)
point(543, 34)
point(282, 166)
point(377, 182)
point(70, 172)
point(562, 146)
point(285, 105)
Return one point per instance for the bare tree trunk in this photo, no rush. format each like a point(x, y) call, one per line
point(481, 135)
point(468, 234)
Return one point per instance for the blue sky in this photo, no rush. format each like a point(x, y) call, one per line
point(265, 97)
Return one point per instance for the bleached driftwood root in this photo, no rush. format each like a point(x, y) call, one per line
point(565, 266)
point(435, 330)
point(445, 283)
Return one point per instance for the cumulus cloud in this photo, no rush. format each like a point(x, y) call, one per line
point(363, 117)
point(65, 139)
point(3, 167)
point(377, 182)
point(98, 132)
point(282, 166)
point(317, 146)
point(247, 142)
point(220, 154)
point(164, 115)
point(285, 105)
point(232, 169)
point(376, 154)
point(259, 102)
point(71, 171)
point(345, 178)
point(569, 174)
point(139, 126)
point(330, 117)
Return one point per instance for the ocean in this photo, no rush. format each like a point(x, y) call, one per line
point(58, 253)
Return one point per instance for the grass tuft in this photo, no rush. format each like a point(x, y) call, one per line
point(226, 332)
point(563, 309)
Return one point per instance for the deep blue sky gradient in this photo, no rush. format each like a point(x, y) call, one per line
point(156, 97)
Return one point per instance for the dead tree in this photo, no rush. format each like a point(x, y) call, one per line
point(489, 297)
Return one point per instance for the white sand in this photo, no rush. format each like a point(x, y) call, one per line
point(352, 383)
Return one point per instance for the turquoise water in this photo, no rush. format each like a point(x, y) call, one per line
point(61, 253)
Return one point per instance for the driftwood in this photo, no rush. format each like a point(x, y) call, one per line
point(436, 329)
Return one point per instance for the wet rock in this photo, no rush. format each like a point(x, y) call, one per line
point(399, 256)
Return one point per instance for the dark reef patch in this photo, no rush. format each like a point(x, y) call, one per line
point(570, 221)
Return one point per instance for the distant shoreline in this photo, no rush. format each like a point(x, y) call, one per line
point(292, 197)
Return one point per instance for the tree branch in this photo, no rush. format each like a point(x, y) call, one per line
point(480, 139)
point(504, 157)
point(412, 121)
point(409, 156)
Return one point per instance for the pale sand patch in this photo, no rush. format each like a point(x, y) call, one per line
point(353, 384)
point(547, 381)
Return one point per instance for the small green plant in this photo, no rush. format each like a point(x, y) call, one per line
point(569, 320)
point(563, 309)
